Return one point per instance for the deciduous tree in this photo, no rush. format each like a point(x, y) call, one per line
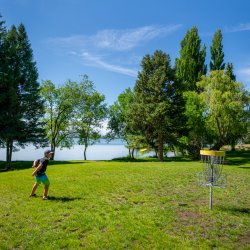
point(226, 102)
point(59, 106)
point(89, 114)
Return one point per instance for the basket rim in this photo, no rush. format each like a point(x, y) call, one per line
point(212, 152)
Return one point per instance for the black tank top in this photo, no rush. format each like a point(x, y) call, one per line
point(44, 162)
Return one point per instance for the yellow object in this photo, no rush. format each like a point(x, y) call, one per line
point(212, 153)
point(143, 149)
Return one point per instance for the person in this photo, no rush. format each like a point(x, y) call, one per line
point(40, 175)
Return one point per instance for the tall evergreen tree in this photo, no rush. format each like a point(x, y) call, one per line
point(189, 69)
point(154, 112)
point(10, 115)
point(229, 71)
point(191, 65)
point(2, 65)
point(23, 106)
point(217, 55)
point(31, 104)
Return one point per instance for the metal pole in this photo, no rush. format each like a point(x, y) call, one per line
point(211, 188)
point(211, 197)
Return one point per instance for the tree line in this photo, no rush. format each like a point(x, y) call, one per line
point(41, 113)
point(181, 107)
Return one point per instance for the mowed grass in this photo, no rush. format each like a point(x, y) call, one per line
point(125, 205)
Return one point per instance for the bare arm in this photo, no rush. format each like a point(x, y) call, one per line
point(37, 169)
point(34, 163)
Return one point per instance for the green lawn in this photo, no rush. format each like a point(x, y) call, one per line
point(125, 205)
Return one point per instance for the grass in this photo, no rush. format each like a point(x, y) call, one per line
point(125, 205)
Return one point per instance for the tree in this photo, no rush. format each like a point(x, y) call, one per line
point(217, 55)
point(189, 69)
point(89, 114)
point(229, 71)
point(118, 124)
point(226, 114)
point(154, 112)
point(3, 56)
point(59, 106)
point(191, 65)
point(197, 135)
point(20, 93)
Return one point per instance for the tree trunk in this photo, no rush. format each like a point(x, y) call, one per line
point(233, 146)
point(85, 149)
point(9, 148)
point(156, 152)
point(132, 153)
point(85, 153)
point(160, 147)
point(53, 148)
point(217, 145)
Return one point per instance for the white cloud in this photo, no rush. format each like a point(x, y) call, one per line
point(118, 40)
point(98, 62)
point(238, 28)
point(127, 39)
point(110, 42)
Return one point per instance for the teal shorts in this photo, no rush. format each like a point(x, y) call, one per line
point(42, 179)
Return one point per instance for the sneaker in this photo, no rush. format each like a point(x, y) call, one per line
point(32, 195)
point(45, 198)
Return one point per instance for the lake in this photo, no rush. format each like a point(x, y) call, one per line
point(98, 151)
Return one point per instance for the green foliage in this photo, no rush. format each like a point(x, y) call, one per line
point(155, 112)
point(225, 112)
point(118, 122)
point(23, 107)
point(59, 105)
point(117, 115)
point(191, 65)
point(125, 205)
point(73, 110)
point(89, 113)
point(216, 50)
point(194, 110)
point(229, 71)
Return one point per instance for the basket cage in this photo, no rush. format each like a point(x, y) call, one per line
point(212, 163)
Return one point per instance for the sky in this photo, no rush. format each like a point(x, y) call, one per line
point(107, 39)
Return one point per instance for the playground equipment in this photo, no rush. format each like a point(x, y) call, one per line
point(211, 176)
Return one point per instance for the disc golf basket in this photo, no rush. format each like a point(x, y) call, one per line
point(211, 176)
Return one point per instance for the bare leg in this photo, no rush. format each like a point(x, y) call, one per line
point(34, 189)
point(45, 193)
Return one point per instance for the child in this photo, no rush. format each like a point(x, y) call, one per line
point(40, 175)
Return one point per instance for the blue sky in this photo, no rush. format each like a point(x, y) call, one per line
point(107, 39)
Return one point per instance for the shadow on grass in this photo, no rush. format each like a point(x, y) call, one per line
point(245, 167)
point(63, 199)
point(20, 165)
point(241, 210)
point(238, 158)
point(150, 159)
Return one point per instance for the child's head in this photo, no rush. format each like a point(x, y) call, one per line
point(48, 153)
